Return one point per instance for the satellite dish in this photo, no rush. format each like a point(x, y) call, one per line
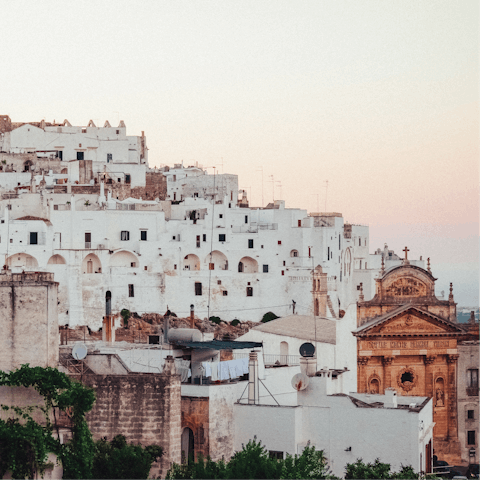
point(300, 381)
point(307, 350)
point(79, 351)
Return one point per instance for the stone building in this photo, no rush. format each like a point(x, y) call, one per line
point(407, 339)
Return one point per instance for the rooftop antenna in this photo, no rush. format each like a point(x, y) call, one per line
point(261, 170)
point(326, 191)
point(273, 187)
point(318, 200)
point(279, 185)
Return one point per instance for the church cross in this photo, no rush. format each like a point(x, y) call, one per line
point(406, 250)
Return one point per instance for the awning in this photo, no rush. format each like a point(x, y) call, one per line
point(221, 345)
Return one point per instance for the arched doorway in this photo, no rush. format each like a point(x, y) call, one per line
point(188, 449)
point(284, 353)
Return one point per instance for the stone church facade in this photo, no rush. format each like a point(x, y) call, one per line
point(407, 340)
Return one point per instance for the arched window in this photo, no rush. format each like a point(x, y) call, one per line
point(294, 253)
point(374, 386)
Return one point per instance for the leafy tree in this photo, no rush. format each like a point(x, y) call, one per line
point(216, 320)
point(269, 316)
point(310, 464)
point(118, 459)
point(125, 315)
point(235, 322)
point(377, 470)
point(25, 444)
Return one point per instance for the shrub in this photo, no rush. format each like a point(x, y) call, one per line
point(215, 320)
point(269, 316)
point(235, 322)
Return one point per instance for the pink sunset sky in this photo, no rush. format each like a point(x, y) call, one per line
point(378, 98)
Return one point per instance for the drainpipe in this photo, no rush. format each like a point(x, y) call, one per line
point(253, 397)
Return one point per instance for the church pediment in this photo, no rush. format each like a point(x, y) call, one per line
point(406, 287)
point(408, 320)
point(410, 324)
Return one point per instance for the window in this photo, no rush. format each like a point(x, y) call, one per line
point(117, 132)
point(211, 266)
point(472, 378)
point(33, 238)
point(204, 237)
point(225, 293)
point(294, 253)
point(145, 267)
point(221, 215)
point(471, 437)
point(143, 235)
point(265, 269)
point(279, 242)
point(174, 178)
point(283, 272)
point(328, 253)
point(249, 292)
point(131, 293)
point(198, 241)
point(9, 207)
point(128, 178)
point(275, 455)
point(195, 195)
point(470, 414)
point(80, 155)
point(198, 288)
point(124, 235)
point(60, 154)
point(250, 243)
point(109, 157)
point(133, 264)
point(84, 130)
point(246, 218)
point(359, 241)
point(219, 282)
point(299, 223)
point(339, 237)
point(221, 237)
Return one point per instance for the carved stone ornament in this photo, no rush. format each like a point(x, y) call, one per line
point(406, 287)
point(409, 321)
point(429, 359)
point(363, 360)
point(374, 384)
point(407, 385)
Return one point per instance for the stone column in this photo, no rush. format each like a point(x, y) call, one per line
point(429, 387)
point(451, 400)
point(362, 374)
point(387, 372)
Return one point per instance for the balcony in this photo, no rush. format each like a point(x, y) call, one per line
point(472, 391)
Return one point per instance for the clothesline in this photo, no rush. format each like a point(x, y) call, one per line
point(226, 370)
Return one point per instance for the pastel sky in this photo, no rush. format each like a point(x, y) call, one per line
point(379, 98)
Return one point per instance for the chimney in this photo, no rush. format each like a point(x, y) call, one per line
point(253, 379)
point(165, 328)
point(192, 316)
point(390, 398)
point(169, 366)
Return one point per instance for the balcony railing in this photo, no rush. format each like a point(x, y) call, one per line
point(472, 391)
point(271, 360)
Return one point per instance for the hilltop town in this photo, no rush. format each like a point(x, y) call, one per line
point(204, 321)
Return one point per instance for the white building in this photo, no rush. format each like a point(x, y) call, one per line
point(201, 245)
point(397, 430)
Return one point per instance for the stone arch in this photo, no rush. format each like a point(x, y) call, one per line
point(191, 262)
point(123, 258)
point(374, 384)
point(27, 166)
point(249, 265)
point(294, 253)
point(23, 261)
point(56, 260)
point(91, 264)
point(64, 171)
point(217, 260)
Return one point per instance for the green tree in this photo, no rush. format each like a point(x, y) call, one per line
point(118, 459)
point(377, 470)
point(268, 317)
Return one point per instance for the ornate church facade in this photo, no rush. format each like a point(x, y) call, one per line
point(407, 340)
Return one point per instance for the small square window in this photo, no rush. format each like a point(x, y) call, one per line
point(470, 414)
point(124, 235)
point(173, 238)
point(79, 155)
point(250, 243)
point(145, 267)
point(211, 266)
point(143, 235)
point(219, 282)
point(221, 215)
point(249, 292)
point(131, 292)
point(225, 293)
point(265, 269)
point(471, 437)
point(299, 223)
point(284, 263)
point(279, 242)
point(283, 272)
point(117, 132)
point(175, 266)
point(221, 237)
point(84, 130)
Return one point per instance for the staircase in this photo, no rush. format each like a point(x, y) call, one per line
point(75, 367)
point(330, 306)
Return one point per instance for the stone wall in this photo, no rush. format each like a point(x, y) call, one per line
point(28, 320)
point(143, 407)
